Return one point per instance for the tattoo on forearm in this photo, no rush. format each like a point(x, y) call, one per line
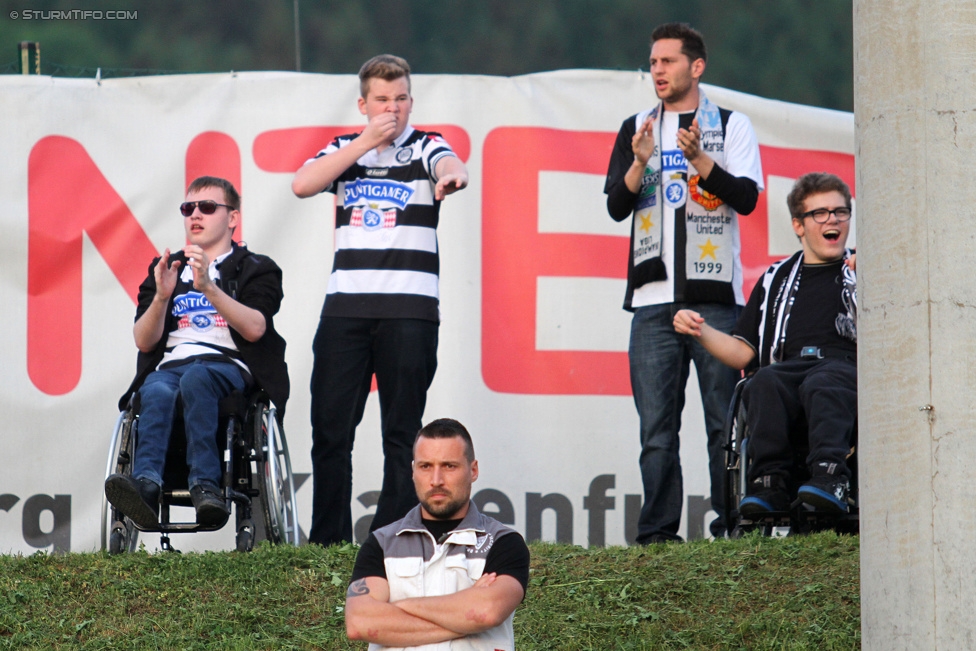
point(357, 588)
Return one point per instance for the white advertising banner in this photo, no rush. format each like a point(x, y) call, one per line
point(533, 338)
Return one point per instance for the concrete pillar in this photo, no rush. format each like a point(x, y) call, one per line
point(915, 123)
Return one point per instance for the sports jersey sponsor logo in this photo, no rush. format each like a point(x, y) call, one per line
point(191, 303)
point(195, 311)
point(377, 171)
point(702, 196)
point(404, 155)
point(372, 218)
point(649, 182)
point(673, 159)
point(364, 191)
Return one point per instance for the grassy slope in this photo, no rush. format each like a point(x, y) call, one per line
point(754, 593)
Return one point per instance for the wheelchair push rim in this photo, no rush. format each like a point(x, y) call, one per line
point(276, 480)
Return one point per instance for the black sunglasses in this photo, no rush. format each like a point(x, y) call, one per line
point(207, 207)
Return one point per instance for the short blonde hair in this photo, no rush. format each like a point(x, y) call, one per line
point(384, 66)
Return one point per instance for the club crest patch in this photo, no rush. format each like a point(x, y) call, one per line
point(202, 322)
point(485, 541)
point(404, 156)
point(701, 196)
point(371, 218)
point(675, 191)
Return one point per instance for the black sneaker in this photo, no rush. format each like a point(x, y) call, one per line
point(766, 495)
point(137, 499)
point(826, 493)
point(211, 508)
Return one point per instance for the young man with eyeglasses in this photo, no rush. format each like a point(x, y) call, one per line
point(685, 170)
point(381, 312)
point(204, 328)
point(800, 325)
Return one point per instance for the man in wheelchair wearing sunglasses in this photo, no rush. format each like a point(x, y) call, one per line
point(800, 325)
point(203, 329)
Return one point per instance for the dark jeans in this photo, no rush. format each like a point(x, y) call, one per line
point(201, 384)
point(780, 396)
point(403, 355)
point(659, 366)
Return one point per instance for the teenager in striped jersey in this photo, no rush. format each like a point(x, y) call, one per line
point(381, 310)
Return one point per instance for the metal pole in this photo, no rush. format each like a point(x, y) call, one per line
point(30, 57)
point(298, 42)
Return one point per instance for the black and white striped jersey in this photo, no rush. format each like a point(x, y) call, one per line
point(386, 256)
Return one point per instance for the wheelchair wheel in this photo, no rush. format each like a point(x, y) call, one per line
point(245, 536)
point(735, 460)
point(123, 538)
point(119, 535)
point(275, 481)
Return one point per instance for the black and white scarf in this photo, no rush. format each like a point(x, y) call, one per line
point(776, 309)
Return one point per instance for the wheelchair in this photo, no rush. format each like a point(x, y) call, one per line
point(257, 476)
point(800, 518)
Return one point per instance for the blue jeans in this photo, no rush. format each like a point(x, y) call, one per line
point(201, 384)
point(403, 354)
point(659, 366)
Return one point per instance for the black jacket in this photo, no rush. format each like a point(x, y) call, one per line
point(255, 281)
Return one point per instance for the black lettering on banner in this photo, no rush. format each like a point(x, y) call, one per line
point(369, 499)
point(632, 507)
point(60, 534)
point(536, 503)
point(598, 503)
point(504, 511)
point(698, 507)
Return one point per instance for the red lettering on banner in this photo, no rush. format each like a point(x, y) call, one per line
point(285, 150)
point(67, 196)
point(215, 154)
point(791, 164)
point(514, 254)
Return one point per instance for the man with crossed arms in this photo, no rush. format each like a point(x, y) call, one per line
point(445, 576)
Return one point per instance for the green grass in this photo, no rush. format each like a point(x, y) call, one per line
point(753, 593)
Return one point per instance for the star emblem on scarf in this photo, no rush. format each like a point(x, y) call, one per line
point(708, 249)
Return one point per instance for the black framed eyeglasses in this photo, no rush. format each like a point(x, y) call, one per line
point(207, 207)
point(821, 215)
